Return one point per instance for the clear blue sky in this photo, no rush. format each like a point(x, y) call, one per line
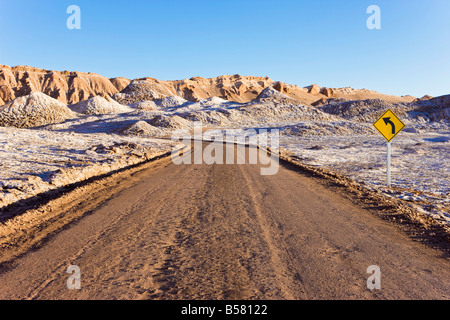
point(298, 42)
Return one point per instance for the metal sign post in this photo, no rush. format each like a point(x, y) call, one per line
point(388, 165)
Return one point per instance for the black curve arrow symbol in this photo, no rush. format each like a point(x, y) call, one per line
point(388, 120)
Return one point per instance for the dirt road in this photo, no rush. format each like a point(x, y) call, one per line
point(170, 231)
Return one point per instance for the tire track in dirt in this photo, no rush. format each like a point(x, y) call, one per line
point(282, 269)
point(165, 184)
point(223, 232)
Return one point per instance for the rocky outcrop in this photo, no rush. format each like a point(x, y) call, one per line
point(313, 89)
point(271, 94)
point(146, 89)
point(36, 109)
point(432, 109)
point(67, 87)
point(98, 105)
point(140, 128)
point(72, 87)
point(435, 109)
point(120, 83)
point(144, 106)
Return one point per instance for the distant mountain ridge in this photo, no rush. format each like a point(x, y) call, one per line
point(71, 87)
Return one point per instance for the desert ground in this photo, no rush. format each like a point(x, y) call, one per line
point(87, 179)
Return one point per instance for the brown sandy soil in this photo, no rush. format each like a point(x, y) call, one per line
point(166, 231)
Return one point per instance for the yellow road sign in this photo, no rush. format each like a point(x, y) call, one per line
point(389, 125)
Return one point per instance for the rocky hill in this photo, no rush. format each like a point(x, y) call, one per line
point(71, 87)
point(65, 86)
point(36, 109)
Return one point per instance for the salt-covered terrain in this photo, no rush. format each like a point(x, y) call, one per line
point(420, 170)
point(35, 161)
point(65, 144)
point(98, 105)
